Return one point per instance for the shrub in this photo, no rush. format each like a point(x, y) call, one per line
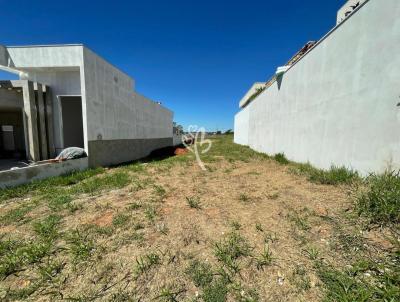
point(380, 202)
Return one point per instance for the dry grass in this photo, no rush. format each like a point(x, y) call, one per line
point(248, 229)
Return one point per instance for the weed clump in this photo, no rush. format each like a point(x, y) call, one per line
point(81, 247)
point(47, 228)
point(200, 272)
point(120, 220)
point(193, 202)
point(230, 249)
point(146, 262)
point(281, 158)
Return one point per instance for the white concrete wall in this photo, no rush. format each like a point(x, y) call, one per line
point(338, 105)
point(114, 110)
point(242, 127)
point(12, 178)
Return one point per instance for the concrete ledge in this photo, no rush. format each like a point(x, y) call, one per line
point(12, 178)
point(113, 152)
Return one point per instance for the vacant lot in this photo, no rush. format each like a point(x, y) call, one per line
point(250, 228)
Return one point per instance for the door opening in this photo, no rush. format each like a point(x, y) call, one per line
point(72, 122)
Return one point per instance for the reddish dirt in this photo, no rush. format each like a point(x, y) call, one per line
point(180, 151)
point(104, 219)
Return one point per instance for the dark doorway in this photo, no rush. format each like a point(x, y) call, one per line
point(12, 140)
point(71, 108)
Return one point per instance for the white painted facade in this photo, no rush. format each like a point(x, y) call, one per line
point(340, 103)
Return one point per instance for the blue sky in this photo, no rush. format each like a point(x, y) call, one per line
point(197, 57)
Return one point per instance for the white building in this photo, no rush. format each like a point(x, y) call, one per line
point(339, 104)
point(69, 96)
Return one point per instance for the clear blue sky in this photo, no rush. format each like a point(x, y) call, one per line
point(197, 57)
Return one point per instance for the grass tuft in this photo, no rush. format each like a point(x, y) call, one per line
point(47, 228)
point(146, 262)
point(194, 202)
point(230, 249)
point(380, 202)
point(81, 247)
point(217, 291)
point(334, 176)
point(120, 219)
point(200, 272)
point(265, 258)
point(244, 198)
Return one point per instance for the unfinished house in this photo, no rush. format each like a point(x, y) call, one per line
point(68, 96)
point(337, 101)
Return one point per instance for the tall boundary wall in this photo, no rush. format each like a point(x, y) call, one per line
point(340, 104)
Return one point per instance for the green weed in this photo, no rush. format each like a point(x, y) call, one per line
point(193, 202)
point(265, 258)
point(81, 246)
point(281, 158)
point(120, 220)
point(380, 202)
point(47, 228)
point(146, 262)
point(200, 272)
point(230, 249)
point(14, 255)
point(333, 176)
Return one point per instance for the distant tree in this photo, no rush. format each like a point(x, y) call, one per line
point(219, 132)
point(178, 129)
point(229, 131)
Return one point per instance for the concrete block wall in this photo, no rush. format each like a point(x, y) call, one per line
point(339, 104)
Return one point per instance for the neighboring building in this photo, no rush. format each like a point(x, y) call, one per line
point(338, 104)
point(69, 96)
